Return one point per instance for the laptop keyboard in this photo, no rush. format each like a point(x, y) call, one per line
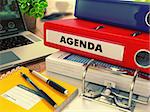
point(13, 42)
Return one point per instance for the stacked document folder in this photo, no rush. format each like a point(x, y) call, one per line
point(99, 72)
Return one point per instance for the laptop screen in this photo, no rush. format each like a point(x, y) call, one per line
point(11, 21)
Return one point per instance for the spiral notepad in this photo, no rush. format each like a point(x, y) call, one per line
point(19, 96)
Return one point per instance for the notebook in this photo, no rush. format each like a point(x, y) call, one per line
point(18, 95)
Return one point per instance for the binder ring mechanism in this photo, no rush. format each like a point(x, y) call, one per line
point(114, 97)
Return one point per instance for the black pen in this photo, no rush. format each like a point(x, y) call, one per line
point(41, 92)
point(50, 82)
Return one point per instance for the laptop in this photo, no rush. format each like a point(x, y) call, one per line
point(17, 45)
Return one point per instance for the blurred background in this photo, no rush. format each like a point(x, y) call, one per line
point(60, 6)
point(55, 6)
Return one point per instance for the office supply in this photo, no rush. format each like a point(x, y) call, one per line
point(113, 97)
point(110, 44)
point(83, 105)
point(15, 40)
point(50, 82)
point(29, 90)
point(55, 16)
point(41, 92)
point(99, 72)
point(129, 14)
point(13, 78)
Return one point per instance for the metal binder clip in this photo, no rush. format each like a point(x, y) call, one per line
point(84, 75)
point(110, 95)
point(130, 93)
point(98, 27)
point(135, 34)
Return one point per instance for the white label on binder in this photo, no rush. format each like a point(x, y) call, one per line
point(101, 48)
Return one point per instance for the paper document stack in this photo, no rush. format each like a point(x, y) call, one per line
point(73, 66)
